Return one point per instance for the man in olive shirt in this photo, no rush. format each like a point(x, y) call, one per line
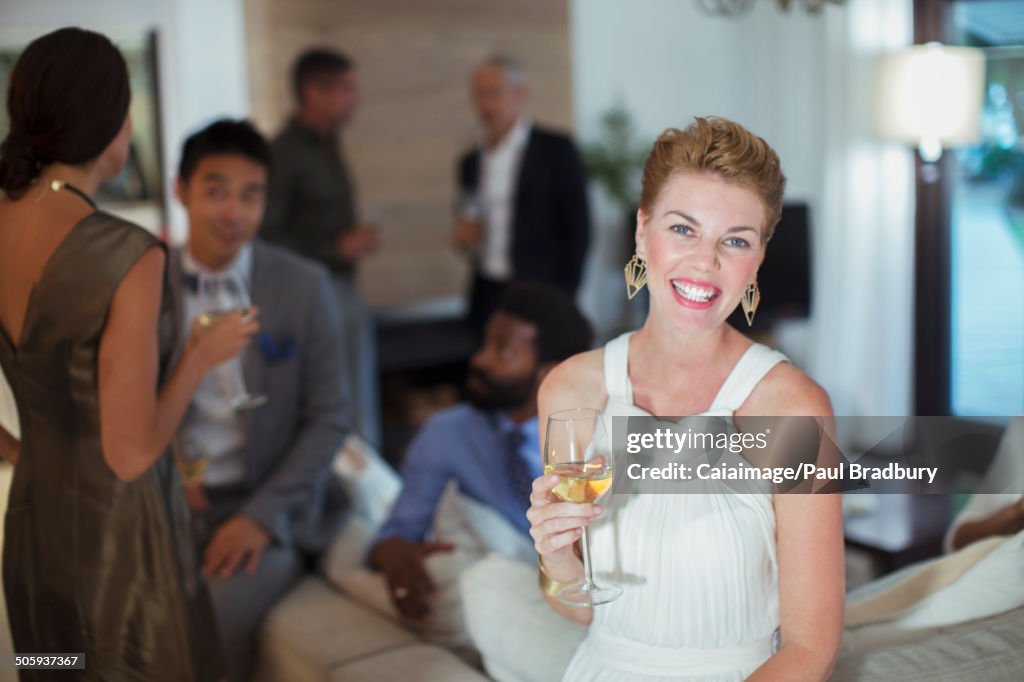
point(311, 209)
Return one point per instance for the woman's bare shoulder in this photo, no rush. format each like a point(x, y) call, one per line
point(786, 390)
point(576, 382)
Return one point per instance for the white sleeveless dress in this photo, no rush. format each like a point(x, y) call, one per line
point(699, 571)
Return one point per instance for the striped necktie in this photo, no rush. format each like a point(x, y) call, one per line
point(520, 480)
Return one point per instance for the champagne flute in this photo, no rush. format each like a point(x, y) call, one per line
point(578, 451)
point(219, 296)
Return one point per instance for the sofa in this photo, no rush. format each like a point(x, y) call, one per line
point(316, 632)
point(988, 649)
point(337, 624)
point(529, 642)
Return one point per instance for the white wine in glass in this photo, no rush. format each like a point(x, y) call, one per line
point(580, 482)
point(578, 451)
point(219, 296)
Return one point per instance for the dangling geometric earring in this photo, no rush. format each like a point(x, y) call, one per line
point(636, 275)
point(751, 299)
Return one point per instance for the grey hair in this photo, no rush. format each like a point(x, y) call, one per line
point(512, 67)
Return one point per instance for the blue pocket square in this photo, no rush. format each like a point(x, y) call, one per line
point(276, 352)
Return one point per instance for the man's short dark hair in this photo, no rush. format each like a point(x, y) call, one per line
point(225, 136)
point(317, 64)
point(562, 330)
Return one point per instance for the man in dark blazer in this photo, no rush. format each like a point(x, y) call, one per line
point(523, 213)
point(258, 480)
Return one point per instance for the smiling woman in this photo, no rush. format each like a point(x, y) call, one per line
point(713, 583)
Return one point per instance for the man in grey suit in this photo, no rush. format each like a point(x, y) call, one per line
point(258, 480)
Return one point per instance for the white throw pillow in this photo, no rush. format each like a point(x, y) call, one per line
point(991, 586)
point(519, 636)
point(372, 488)
point(476, 530)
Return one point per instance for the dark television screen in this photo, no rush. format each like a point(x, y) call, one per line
point(785, 275)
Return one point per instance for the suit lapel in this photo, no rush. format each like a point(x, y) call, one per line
point(472, 179)
point(520, 225)
point(260, 281)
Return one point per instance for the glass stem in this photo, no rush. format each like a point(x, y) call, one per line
point(588, 578)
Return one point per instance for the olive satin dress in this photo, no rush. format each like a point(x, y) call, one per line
point(90, 563)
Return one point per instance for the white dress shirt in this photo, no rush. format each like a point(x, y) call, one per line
point(212, 429)
point(8, 409)
point(499, 173)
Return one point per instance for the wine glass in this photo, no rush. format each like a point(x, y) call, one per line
point(220, 295)
point(189, 458)
point(469, 215)
point(578, 451)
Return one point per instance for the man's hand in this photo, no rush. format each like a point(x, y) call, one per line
point(467, 235)
point(410, 587)
point(9, 446)
point(195, 493)
point(236, 540)
point(358, 242)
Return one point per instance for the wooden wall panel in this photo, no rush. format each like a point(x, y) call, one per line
point(414, 60)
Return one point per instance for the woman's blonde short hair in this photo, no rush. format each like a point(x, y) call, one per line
point(719, 147)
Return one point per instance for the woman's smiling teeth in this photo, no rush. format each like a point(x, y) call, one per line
point(695, 293)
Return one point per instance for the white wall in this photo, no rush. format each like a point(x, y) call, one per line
point(667, 62)
point(805, 84)
point(202, 56)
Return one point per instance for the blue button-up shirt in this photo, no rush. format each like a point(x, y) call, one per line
point(466, 445)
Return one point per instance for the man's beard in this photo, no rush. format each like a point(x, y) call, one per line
point(500, 395)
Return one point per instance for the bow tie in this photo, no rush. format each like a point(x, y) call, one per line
point(190, 282)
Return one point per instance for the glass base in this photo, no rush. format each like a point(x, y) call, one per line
point(583, 594)
point(248, 401)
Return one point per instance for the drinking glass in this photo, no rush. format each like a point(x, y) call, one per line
point(578, 451)
point(220, 295)
point(469, 207)
point(371, 219)
point(469, 216)
point(190, 460)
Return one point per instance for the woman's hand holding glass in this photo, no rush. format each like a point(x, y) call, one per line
point(555, 525)
point(217, 342)
point(578, 470)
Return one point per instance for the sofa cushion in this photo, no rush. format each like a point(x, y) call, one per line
point(314, 629)
point(519, 636)
point(418, 662)
point(985, 650)
point(988, 586)
point(372, 486)
point(475, 530)
point(370, 481)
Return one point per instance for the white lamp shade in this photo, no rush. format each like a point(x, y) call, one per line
point(931, 93)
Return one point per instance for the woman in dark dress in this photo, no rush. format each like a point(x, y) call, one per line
point(97, 555)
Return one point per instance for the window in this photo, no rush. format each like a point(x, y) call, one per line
point(969, 326)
